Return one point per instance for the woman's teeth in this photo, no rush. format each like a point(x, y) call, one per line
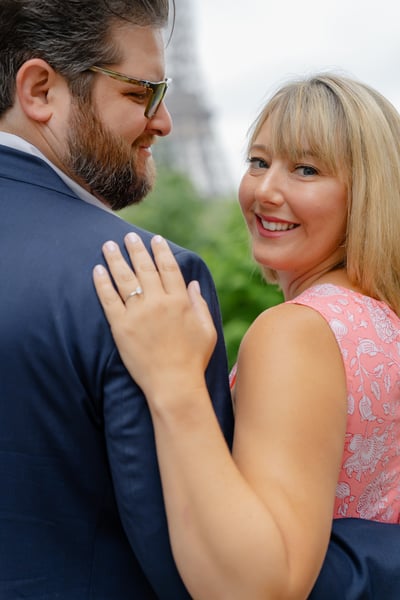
point(274, 226)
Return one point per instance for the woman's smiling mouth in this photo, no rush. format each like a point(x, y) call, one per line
point(276, 225)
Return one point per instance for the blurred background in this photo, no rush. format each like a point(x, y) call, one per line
point(225, 59)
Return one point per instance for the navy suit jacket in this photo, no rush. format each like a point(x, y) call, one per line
point(81, 510)
point(362, 563)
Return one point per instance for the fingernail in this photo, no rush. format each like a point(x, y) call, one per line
point(132, 237)
point(111, 246)
point(158, 239)
point(100, 270)
point(196, 286)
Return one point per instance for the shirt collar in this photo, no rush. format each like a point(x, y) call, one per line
point(14, 141)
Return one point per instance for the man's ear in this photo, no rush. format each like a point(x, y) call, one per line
point(35, 83)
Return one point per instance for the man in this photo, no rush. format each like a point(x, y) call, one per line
point(81, 512)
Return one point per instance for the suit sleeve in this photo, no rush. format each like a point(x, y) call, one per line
point(217, 372)
point(362, 563)
point(132, 455)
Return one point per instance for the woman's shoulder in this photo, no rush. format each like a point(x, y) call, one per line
point(286, 323)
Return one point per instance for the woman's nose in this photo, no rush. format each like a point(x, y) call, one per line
point(269, 189)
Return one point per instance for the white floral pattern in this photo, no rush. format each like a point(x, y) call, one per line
point(368, 334)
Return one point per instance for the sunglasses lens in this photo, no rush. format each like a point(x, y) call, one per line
point(156, 99)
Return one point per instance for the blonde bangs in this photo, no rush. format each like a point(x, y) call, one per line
point(305, 117)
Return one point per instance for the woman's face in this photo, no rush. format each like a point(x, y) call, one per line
point(296, 212)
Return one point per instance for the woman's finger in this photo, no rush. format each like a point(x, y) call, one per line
point(168, 268)
point(201, 309)
point(143, 265)
point(122, 274)
point(110, 300)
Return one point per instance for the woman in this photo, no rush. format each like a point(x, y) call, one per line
point(317, 390)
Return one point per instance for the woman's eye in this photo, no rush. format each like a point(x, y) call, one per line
point(257, 163)
point(306, 170)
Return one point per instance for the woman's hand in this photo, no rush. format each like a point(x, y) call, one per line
point(163, 330)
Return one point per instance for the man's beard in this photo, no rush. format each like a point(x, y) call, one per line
point(104, 163)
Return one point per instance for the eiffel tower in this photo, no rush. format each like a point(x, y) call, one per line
point(192, 148)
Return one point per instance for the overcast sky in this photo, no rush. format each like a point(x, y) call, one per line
point(247, 47)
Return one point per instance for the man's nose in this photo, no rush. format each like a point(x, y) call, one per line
point(161, 122)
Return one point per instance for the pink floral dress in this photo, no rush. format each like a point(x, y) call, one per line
point(368, 334)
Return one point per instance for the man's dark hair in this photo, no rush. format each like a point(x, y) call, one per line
point(70, 35)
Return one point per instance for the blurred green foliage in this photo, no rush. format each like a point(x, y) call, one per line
point(214, 228)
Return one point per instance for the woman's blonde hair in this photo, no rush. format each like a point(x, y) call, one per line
point(355, 132)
